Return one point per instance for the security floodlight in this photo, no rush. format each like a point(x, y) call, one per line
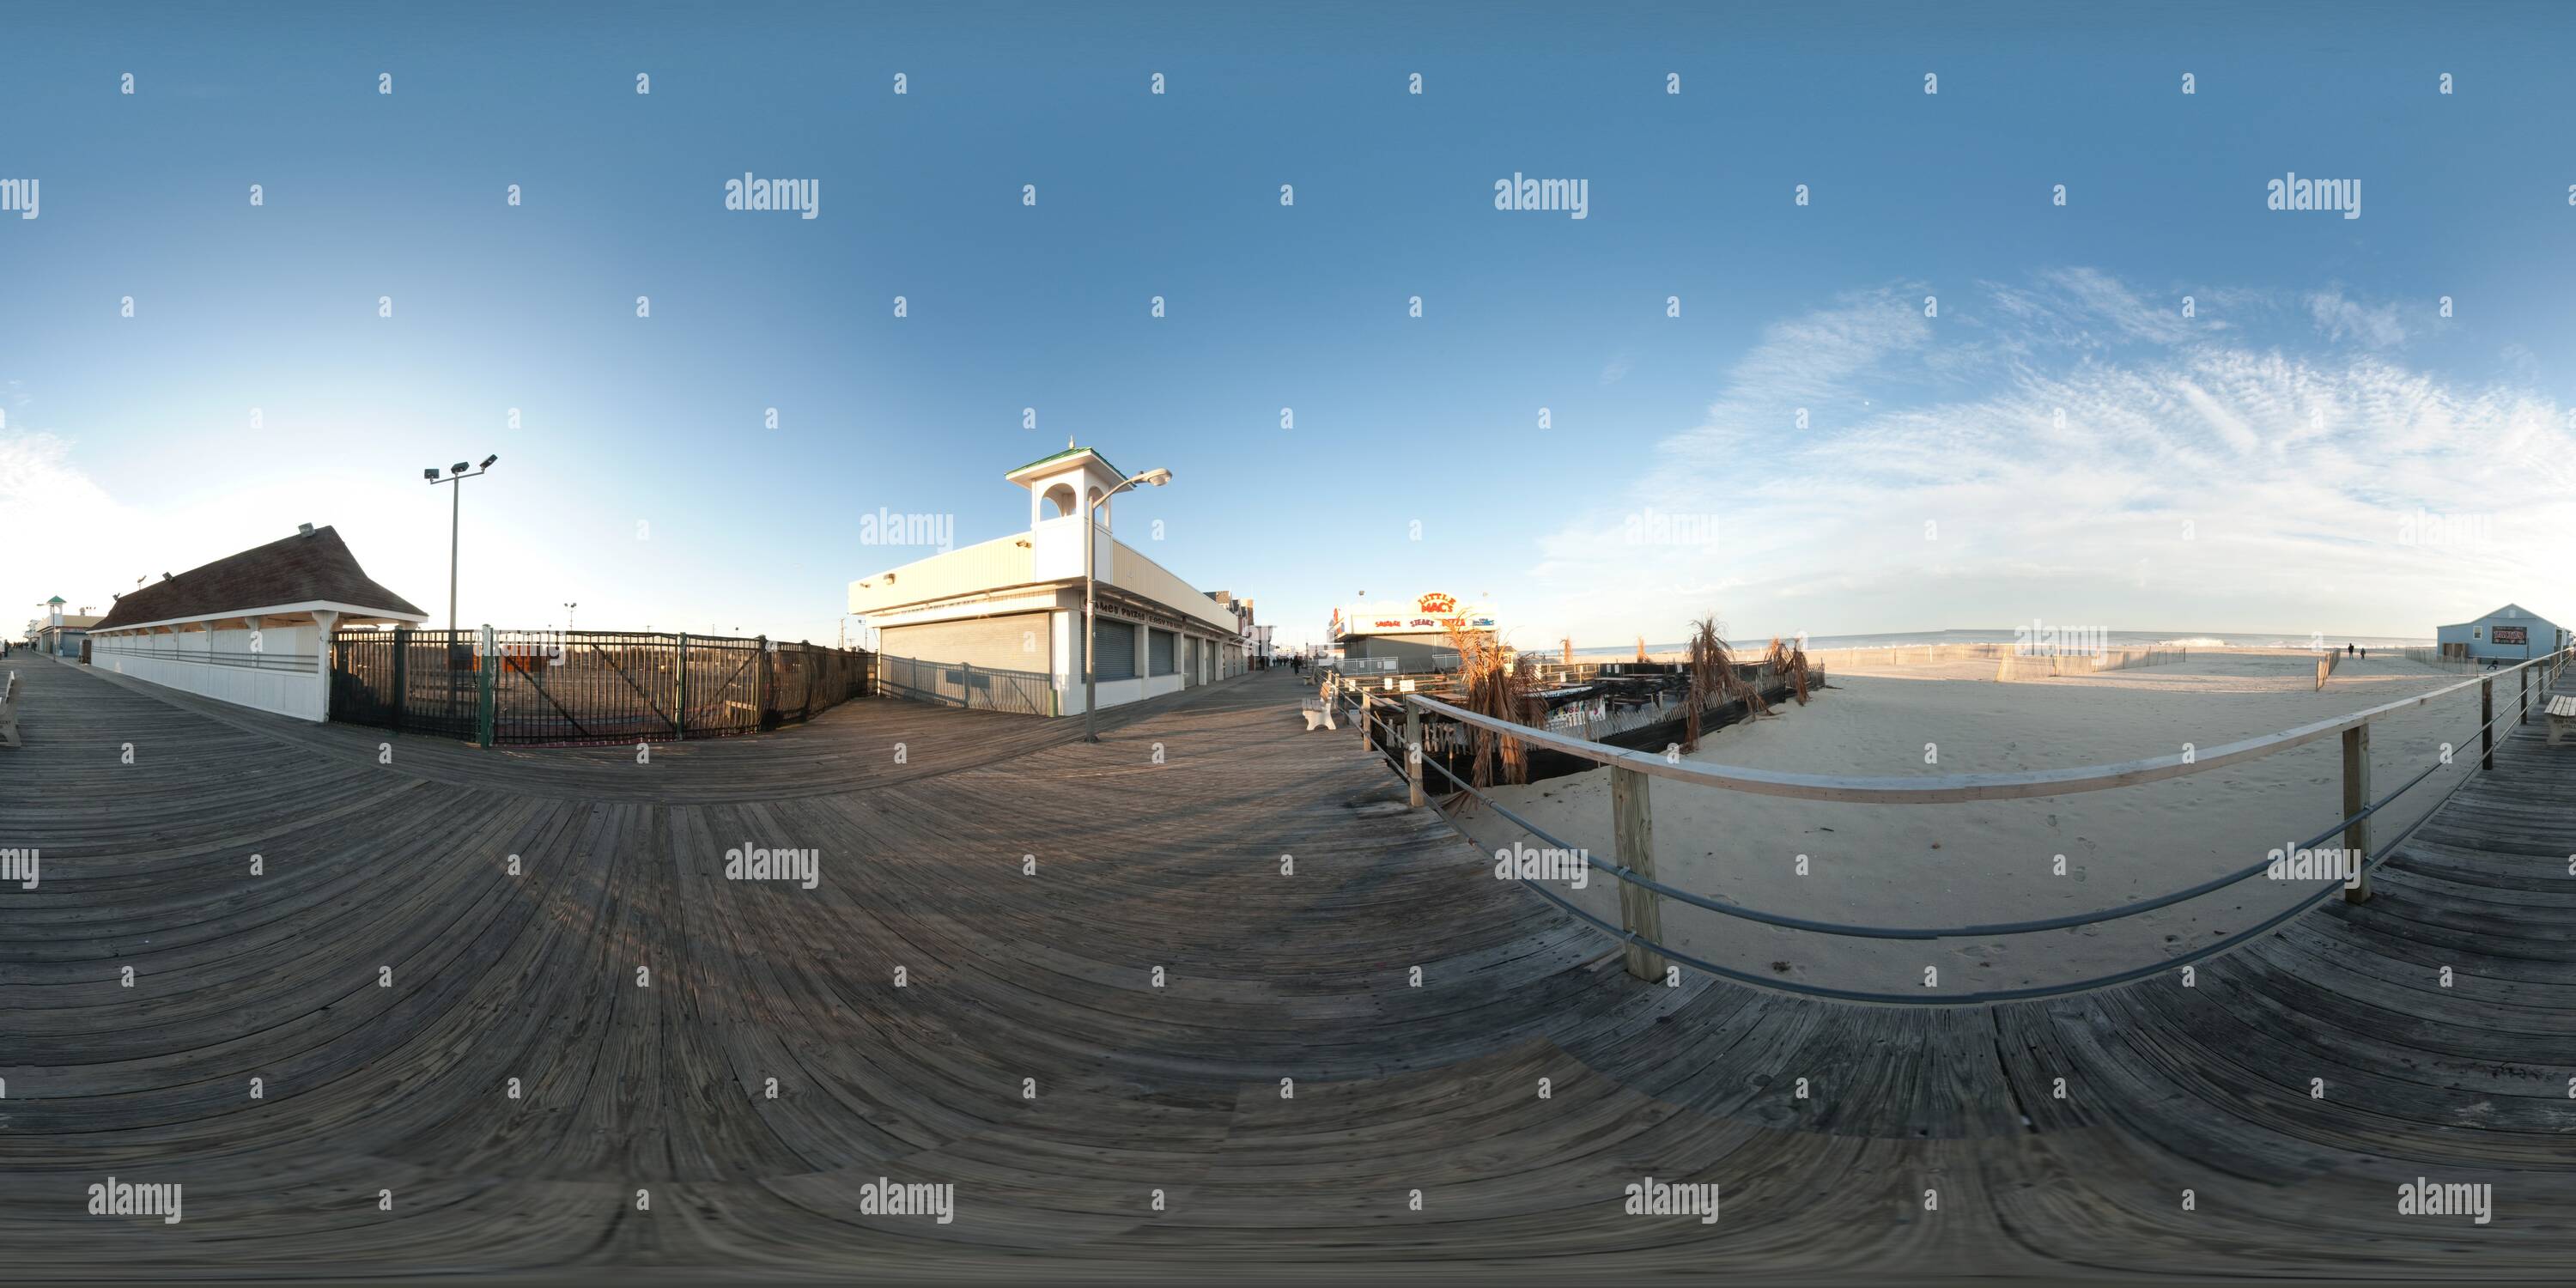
point(1090, 595)
point(456, 476)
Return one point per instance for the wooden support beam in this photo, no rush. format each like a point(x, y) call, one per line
point(2356, 797)
point(2486, 722)
point(1640, 910)
point(1413, 754)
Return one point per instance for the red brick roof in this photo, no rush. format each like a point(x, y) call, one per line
point(304, 568)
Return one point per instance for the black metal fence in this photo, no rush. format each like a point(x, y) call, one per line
point(980, 688)
point(520, 687)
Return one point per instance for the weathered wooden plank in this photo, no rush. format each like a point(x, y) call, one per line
point(1162, 846)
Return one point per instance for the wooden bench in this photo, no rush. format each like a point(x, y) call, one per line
point(2562, 718)
point(9, 712)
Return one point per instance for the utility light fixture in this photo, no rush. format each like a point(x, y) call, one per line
point(456, 517)
point(1091, 595)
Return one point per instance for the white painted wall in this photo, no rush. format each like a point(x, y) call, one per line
point(292, 681)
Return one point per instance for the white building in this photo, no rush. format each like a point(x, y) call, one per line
point(1415, 634)
point(58, 632)
point(999, 624)
point(249, 628)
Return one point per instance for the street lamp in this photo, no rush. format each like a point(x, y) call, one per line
point(1090, 631)
point(568, 617)
point(456, 514)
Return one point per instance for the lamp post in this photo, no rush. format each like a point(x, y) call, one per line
point(1090, 616)
point(456, 514)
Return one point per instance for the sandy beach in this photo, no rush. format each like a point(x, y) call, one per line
point(1929, 865)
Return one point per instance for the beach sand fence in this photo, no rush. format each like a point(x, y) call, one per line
point(2435, 657)
point(1906, 655)
point(2013, 666)
point(2326, 666)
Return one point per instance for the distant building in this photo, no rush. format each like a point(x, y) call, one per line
point(249, 628)
point(1406, 634)
point(58, 632)
point(2511, 633)
point(999, 624)
point(1254, 636)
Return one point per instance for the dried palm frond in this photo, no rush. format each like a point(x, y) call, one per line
point(1793, 663)
point(1712, 676)
point(1490, 685)
point(1789, 663)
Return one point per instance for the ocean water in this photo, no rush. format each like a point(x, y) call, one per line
point(2115, 639)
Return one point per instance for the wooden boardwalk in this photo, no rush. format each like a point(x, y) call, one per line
point(1160, 847)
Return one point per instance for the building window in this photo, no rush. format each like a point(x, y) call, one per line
point(1159, 653)
point(1117, 660)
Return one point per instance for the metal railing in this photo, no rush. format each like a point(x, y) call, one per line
point(1640, 927)
point(959, 684)
point(503, 688)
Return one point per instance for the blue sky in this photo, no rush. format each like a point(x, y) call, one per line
point(2316, 449)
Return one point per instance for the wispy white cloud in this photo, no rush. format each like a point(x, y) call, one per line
point(2061, 449)
point(2343, 320)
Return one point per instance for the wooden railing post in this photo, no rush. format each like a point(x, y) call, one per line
point(1640, 910)
point(680, 708)
point(2486, 722)
point(402, 677)
point(2356, 798)
point(1413, 753)
point(2526, 697)
point(1363, 721)
point(763, 686)
point(489, 677)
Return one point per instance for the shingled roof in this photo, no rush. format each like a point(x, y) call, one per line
point(307, 568)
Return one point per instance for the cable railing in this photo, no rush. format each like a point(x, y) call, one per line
point(1641, 928)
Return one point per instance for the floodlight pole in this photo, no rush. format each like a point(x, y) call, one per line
point(1090, 616)
point(455, 522)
